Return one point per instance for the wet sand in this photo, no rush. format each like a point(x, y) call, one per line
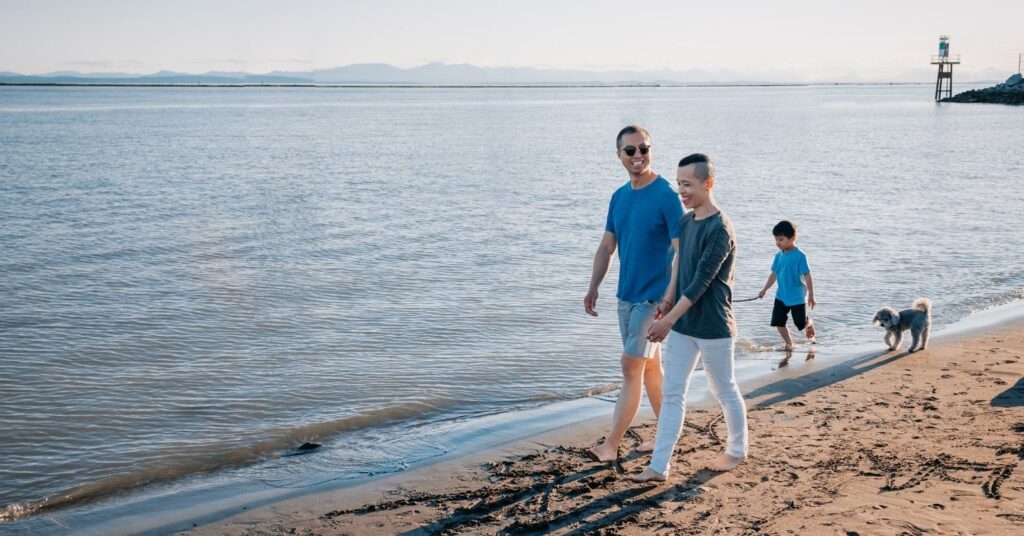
point(884, 443)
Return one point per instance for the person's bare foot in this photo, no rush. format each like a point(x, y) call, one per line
point(724, 463)
point(603, 453)
point(649, 475)
point(646, 446)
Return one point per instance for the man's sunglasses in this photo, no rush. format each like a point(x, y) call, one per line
point(630, 150)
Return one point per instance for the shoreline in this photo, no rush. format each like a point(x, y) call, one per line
point(878, 443)
point(205, 499)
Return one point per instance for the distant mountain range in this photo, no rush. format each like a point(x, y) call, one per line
point(439, 74)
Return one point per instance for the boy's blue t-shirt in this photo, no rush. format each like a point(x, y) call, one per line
point(789, 268)
point(644, 222)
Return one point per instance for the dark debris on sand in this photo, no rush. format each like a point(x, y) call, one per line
point(561, 490)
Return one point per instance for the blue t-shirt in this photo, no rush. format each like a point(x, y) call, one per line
point(644, 222)
point(789, 268)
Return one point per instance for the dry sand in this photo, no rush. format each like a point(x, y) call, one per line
point(886, 443)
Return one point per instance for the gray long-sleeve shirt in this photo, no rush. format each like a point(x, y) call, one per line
point(707, 253)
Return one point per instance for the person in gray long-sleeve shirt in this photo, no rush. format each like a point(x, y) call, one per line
point(698, 321)
point(708, 267)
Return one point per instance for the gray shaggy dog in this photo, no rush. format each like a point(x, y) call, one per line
point(918, 319)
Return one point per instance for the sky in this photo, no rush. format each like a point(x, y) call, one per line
point(810, 39)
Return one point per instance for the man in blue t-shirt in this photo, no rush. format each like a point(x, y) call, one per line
point(796, 287)
point(642, 225)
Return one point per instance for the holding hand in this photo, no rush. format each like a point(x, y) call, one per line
point(760, 295)
point(659, 329)
point(811, 301)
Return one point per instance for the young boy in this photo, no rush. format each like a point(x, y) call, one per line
point(796, 288)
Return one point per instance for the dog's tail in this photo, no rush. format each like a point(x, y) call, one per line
point(923, 304)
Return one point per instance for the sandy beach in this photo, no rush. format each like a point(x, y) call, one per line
point(884, 443)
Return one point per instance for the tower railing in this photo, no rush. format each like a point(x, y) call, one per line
point(952, 58)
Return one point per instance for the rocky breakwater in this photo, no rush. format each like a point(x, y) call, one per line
point(1009, 92)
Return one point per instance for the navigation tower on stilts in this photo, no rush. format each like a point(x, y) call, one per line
point(945, 62)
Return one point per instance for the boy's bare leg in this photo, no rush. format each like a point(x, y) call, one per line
point(625, 407)
point(784, 331)
point(725, 462)
point(653, 377)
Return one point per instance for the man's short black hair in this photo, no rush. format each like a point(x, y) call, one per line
point(631, 129)
point(784, 228)
point(704, 169)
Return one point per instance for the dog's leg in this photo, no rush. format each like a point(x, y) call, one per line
point(899, 340)
point(888, 340)
point(915, 337)
point(924, 337)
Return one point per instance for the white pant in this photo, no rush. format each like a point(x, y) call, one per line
point(680, 358)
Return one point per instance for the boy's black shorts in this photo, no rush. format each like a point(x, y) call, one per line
point(779, 311)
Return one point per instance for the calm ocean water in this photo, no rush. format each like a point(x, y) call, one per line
point(196, 279)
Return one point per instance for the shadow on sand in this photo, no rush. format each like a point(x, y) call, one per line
point(524, 509)
point(788, 388)
point(1012, 397)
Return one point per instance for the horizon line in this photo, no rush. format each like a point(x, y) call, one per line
point(648, 70)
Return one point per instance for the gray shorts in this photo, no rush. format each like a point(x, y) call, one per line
point(634, 320)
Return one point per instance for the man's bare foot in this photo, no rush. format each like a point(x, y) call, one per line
point(646, 446)
point(724, 463)
point(649, 475)
point(603, 453)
